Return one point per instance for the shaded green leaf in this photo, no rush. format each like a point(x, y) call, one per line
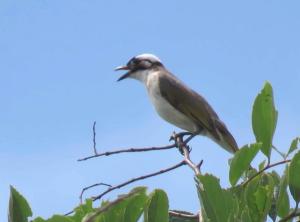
point(83, 210)
point(19, 209)
point(241, 161)
point(275, 176)
point(293, 146)
point(39, 219)
point(115, 210)
point(157, 208)
point(294, 178)
point(273, 209)
point(264, 118)
point(245, 215)
point(262, 165)
point(210, 196)
point(258, 196)
point(261, 198)
point(59, 218)
point(136, 206)
point(283, 203)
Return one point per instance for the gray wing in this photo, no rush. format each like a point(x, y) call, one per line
point(195, 107)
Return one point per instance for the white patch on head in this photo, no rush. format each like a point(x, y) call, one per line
point(148, 56)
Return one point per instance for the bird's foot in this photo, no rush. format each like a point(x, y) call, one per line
point(175, 136)
point(179, 141)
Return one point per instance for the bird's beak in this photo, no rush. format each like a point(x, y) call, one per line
point(123, 68)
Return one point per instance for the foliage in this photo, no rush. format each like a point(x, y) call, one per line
point(255, 193)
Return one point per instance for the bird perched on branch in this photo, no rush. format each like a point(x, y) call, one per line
point(177, 103)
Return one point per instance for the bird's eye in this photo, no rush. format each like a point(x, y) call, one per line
point(145, 64)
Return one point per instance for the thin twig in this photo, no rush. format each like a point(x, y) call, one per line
point(179, 142)
point(186, 152)
point(138, 178)
point(183, 215)
point(132, 150)
point(133, 180)
point(295, 213)
point(91, 186)
point(264, 169)
point(94, 138)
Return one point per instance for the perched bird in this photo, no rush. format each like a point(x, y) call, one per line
point(177, 103)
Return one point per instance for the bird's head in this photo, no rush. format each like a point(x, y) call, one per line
point(139, 66)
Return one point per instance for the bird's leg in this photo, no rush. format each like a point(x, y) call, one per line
point(175, 135)
point(179, 142)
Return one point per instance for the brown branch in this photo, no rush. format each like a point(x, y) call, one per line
point(295, 213)
point(179, 143)
point(138, 178)
point(131, 181)
point(186, 152)
point(91, 186)
point(94, 138)
point(183, 215)
point(132, 150)
point(264, 169)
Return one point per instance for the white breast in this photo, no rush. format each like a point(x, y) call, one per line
point(163, 107)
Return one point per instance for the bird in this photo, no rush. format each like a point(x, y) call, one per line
point(175, 102)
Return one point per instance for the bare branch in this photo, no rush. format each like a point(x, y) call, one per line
point(264, 169)
point(183, 215)
point(294, 214)
point(186, 152)
point(130, 181)
point(91, 186)
point(179, 142)
point(94, 138)
point(132, 150)
point(139, 178)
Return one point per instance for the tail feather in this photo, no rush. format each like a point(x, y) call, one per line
point(226, 140)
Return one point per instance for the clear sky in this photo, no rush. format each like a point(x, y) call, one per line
point(56, 77)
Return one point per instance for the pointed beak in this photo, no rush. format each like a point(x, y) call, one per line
point(123, 68)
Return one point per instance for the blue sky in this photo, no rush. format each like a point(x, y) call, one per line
point(56, 78)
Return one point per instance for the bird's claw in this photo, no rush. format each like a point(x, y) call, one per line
point(175, 136)
point(179, 142)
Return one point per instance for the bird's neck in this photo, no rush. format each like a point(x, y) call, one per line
point(141, 76)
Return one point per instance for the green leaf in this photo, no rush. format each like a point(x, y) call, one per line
point(283, 203)
point(19, 209)
point(293, 146)
point(241, 161)
point(210, 196)
point(115, 210)
point(294, 177)
point(261, 198)
point(262, 165)
point(250, 199)
point(59, 218)
point(157, 207)
point(245, 215)
point(259, 195)
point(39, 219)
point(82, 210)
point(264, 118)
point(136, 206)
point(273, 209)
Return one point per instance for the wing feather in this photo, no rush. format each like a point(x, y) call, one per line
point(195, 107)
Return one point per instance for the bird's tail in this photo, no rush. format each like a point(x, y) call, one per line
point(225, 140)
